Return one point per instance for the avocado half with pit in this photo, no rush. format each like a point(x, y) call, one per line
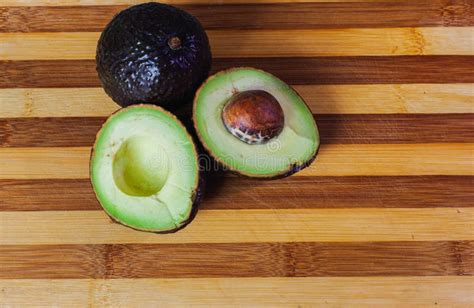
point(255, 124)
point(144, 169)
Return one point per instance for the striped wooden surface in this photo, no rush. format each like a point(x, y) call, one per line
point(385, 216)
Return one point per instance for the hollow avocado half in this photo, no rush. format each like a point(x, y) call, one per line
point(144, 169)
point(255, 124)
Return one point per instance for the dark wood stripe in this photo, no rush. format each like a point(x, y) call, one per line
point(340, 192)
point(44, 74)
point(233, 193)
point(254, 16)
point(334, 129)
point(238, 260)
point(49, 132)
point(47, 195)
point(318, 70)
point(363, 69)
point(396, 128)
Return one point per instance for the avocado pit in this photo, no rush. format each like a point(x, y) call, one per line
point(253, 116)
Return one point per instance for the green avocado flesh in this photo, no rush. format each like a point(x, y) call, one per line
point(144, 169)
point(294, 148)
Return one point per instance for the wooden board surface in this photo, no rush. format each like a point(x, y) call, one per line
point(385, 216)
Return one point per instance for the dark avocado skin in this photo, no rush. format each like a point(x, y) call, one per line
point(136, 65)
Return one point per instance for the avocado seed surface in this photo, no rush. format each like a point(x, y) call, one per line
point(253, 116)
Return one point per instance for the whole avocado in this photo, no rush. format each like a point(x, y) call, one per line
point(153, 53)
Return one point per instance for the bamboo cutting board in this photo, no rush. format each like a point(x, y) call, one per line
point(384, 217)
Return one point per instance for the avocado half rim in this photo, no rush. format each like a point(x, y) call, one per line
point(195, 189)
point(296, 106)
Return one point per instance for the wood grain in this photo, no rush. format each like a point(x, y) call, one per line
point(332, 160)
point(174, 2)
point(338, 42)
point(255, 260)
point(37, 163)
point(386, 98)
point(384, 217)
point(235, 292)
point(226, 193)
point(394, 128)
point(333, 129)
point(322, 99)
point(338, 192)
point(263, 43)
point(252, 16)
point(393, 159)
point(303, 71)
point(246, 226)
point(363, 70)
point(47, 132)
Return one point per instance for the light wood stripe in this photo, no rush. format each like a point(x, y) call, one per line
point(328, 99)
point(394, 159)
point(386, 98)
point(332, 160)
point(449, 291)
point(239, 226)
point(132, 2)
point(37, 163)
point(64, 102)
point(263, 43)
point(413, 258)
